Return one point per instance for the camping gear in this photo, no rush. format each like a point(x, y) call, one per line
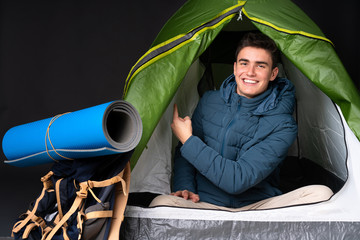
point(85, 194)
point(81, 199)
point(109, 128)
point(193, 53)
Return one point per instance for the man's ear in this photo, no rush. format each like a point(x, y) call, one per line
point(274, 73)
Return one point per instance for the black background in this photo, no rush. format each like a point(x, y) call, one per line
point(60, 56)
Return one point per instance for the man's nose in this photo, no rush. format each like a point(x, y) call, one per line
point(251, 70)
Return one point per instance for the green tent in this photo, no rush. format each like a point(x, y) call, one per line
point(191, 54)
point(193, 28)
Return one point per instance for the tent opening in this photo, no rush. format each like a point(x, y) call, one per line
point(318, 155)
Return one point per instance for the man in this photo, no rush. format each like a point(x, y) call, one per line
point(233, 145)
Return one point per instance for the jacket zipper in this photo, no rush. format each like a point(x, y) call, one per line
point(227, 130)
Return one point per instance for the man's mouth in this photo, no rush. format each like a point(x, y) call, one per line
point(249, 81)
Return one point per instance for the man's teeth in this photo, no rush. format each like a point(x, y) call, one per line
point(249, 81)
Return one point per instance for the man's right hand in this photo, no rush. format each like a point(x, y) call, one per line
point(187, 195)
point(181, 127)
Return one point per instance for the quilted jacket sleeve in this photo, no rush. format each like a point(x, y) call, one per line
point(184, 173)
point(235, 176)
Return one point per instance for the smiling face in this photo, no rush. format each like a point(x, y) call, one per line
point(253, 71)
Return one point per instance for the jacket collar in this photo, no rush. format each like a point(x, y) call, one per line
point(278, 89)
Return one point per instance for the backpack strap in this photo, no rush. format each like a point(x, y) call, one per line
point(81, 195)
point(58, 199)
point(36, 222)
point(80, 220)
point(60, 212)
point(28, 230)
point(121, 197)
point(121, 194)
point(47, 184)
point(108, 182)
point(114, 180)
point(98, 214)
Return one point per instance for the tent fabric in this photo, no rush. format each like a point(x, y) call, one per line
point(327, 114)
point(153, 169)
point(159, 82)
point(188, 18)
point(142, 228)
point(299, 38)
point(320, 126)
point(341, 212)
point(109, 128)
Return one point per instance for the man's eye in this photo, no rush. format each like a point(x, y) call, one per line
point(261, 66)
point(243, 63)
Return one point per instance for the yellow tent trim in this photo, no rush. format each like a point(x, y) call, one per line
point(285, 30)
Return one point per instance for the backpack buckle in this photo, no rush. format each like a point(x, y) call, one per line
point(82, 193)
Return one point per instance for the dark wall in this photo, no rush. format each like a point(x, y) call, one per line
point(59, 56)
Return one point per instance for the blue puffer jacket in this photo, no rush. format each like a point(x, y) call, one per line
point(233, 157)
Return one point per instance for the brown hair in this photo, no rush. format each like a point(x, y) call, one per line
point(259, 40)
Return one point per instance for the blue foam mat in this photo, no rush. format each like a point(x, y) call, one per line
point(109, 128)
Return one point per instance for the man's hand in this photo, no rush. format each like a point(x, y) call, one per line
point(181, 127)
point(187, 195)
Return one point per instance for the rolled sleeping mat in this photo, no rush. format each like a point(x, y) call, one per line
point(109, 128)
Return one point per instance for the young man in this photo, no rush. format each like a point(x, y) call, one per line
point(233, 145)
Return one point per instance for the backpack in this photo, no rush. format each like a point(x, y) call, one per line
point(80, 199)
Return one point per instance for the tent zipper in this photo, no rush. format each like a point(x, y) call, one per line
point(162, 50)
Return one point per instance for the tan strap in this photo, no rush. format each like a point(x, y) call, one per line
point(12, 231)
point(80, 221)
point(121, 197)
point(94, 196)
point(47, 181)
point(56, 220)
point(47, 137)
point(78, 200)
point(104, 183)
point(58, 199)
point(98, 184)
point(28, 230)
point(46, 233)
point(46, 230)
point(65, 236)
point(30, 214)
point(98, 214)
point(81, 195)
point(47, 176)
point(37, 222)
